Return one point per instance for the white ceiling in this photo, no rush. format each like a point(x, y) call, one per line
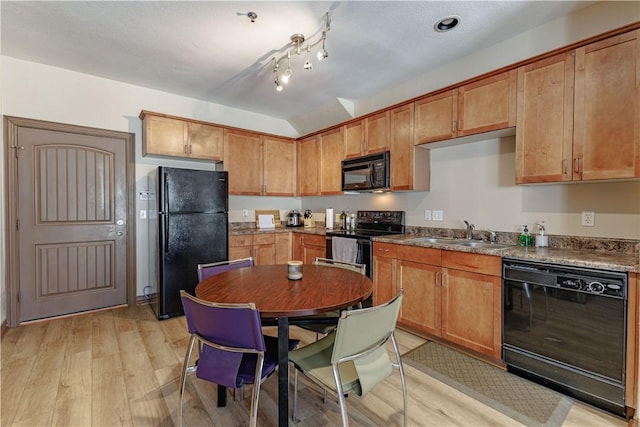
point(210, 50)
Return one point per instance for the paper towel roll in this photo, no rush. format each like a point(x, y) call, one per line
point(329, 218)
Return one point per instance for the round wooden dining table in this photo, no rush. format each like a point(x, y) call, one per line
point(321, 289)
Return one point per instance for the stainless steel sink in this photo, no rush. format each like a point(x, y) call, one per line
point(479, 244)
point(460, 242)
point(444, 240)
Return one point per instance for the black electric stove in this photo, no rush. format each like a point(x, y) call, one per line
point(369, 224)
point(374, 223)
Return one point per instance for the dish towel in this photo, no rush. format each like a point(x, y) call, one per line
point(344, 249)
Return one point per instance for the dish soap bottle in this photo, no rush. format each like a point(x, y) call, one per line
point(343, 220)
point(525, 237)
point(542, 240)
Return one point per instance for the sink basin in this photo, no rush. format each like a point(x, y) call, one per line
point(433, 240)
point(479, 244)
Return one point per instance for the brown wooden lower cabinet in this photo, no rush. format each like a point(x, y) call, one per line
point(262, 247)
point(306, 247)
point(454, 296)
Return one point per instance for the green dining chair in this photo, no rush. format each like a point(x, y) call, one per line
point(353, 358)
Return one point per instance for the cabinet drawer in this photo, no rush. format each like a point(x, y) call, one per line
point(421, 255)
point(264, 239)
point(314, 240)
point(242, 240)
point(478, 263)
point(385, 250)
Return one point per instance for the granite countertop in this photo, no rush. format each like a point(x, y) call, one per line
point(606, 254)
point(602, 259)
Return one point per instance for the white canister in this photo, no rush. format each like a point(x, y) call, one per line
point(329, 218)
point(295, 270)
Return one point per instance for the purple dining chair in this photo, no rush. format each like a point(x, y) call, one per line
point(232, 351)
point(211, 269)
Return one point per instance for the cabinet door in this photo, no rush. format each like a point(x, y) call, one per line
point(243, 160)
point(279, 166)
point(283, 248)
point(377, 133)
point(240, 246)
point(383, 283)
point(607, 109)
point(309, 167)
point(164, 136)
point(544, 132)
point(401, 147)
point(265, 254)
point(311, 252)
point(353, 139)
point(296, 246)
point(421, 303)
point(205, 141)
point(331, 146)
point(435, 117)
point(488, 104)
point(471, 311)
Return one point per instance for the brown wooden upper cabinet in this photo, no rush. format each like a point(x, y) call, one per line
point(410, 166)
point(486, 105)
point(259, 164)
point(171, 136)
point(309, 166)
point(578, 116)
point(279, 174)
point(331, 155)
point(367, 136)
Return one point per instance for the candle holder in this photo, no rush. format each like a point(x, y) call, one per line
point(295, 270)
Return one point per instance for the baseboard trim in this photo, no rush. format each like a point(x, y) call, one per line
point(3, 328)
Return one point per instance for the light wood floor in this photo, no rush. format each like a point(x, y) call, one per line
point(121, 367)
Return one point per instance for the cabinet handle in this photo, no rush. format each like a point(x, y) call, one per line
point(184, 150)
point(565, 166)
point(444, 280)
point(437, 277)
point(576, 165)
point(189, 149)
point(453, 126)
point(459, 124)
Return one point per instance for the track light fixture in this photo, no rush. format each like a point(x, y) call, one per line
point(297, 47)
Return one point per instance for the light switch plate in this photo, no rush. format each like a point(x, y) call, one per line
point(437, 215)
point(427, 215)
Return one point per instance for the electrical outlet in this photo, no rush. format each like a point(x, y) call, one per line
point(437, 215)
point(427, 215)
point(588, 219)
point(245, 213)
point(143, 214)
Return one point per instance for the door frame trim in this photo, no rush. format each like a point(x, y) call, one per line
point(11, 126)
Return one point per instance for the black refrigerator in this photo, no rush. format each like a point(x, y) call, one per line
point(188, 225)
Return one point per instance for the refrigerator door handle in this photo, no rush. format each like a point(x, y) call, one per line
point(165, 183)
point(164, 219)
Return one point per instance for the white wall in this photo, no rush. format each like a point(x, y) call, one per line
point(476, 182)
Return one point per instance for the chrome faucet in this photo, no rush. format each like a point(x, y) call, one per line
point(470, 228)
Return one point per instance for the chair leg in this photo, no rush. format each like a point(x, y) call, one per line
point(183, 380)
point(402, 380)
point(255, 396)
point(341, 401)
point(295, 396)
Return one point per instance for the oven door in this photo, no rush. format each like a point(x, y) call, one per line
point(365, 253)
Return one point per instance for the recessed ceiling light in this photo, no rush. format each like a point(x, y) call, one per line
point(447, 23)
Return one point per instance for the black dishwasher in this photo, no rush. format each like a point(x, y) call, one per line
point(565, 327)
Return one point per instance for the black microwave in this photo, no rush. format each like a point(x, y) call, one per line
point(366, 173)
